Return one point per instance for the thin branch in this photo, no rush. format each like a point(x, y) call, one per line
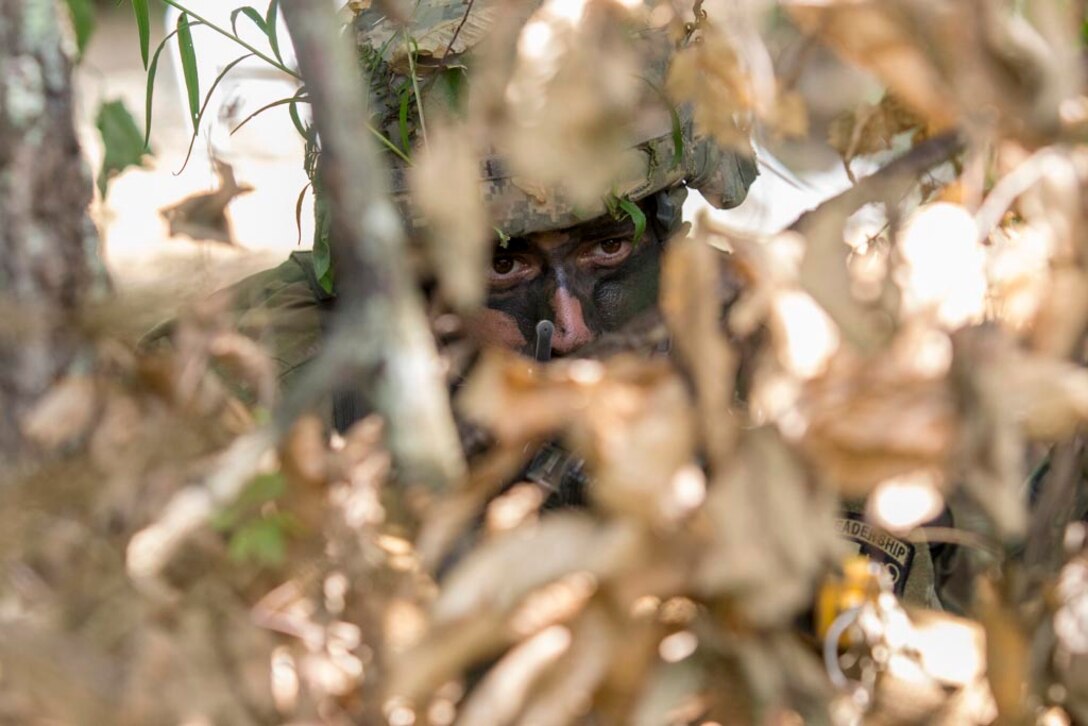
point(889, 182)
point(457, 31)
point(380, 338)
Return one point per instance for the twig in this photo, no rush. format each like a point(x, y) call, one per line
point(1056, 508)
point(1011, 186)
point(889, 182)
point(380, 337)
point(457, 31)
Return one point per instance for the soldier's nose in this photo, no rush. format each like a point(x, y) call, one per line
point(571, 331)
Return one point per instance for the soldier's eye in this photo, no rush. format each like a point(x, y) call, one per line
point(612, 246)
point(509, 270)
point(608, 253)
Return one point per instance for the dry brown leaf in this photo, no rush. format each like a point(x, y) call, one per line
point(498, 574)
point(862, 427)
point(303, 453)
point(507, 686)
point(636, 436)
point(446, 189)
point(1008, 650)
point(576, 102)
point(883, 37)
point(871, 127)
point(690, 279)
point(708, 75)
point(565, 693)
point(1047, 397)
point(517, 403)
point(772, 533)
point(63, 414)
point(444, 653)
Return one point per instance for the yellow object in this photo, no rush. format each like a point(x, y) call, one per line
point(859, 583)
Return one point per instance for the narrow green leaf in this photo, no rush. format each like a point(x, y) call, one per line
point(405, 103)
point(270, 21)
point(121, 141)
point(296, 119)
point(298, 212)
point(143, 26)
point(636, 215)
point(279, 102)
point(82, 12)
point(149, 95)
point(204, 106)
point(322, 250)
point(250, 13)
point(188, 67)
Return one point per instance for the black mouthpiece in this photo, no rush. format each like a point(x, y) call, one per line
point(544, 330)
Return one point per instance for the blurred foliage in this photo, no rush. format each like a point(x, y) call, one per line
point(122, 141)
point(913, 343)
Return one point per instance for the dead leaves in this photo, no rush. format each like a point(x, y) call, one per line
point(871, 127)
point(970, 64)
point(446, 187)
point(63, 414)
point(722, 88)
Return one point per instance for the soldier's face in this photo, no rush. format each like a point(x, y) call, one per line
point(587, 280)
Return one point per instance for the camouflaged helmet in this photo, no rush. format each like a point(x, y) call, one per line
point(443, 35)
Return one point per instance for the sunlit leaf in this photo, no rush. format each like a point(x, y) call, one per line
point(250, 13)
point(189, 69)
point(83, 22)
point(270, 22)
point(149, 93)
point(207, 99)
point(143, 26)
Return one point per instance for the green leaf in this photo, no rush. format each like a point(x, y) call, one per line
point(143, 25)
point(405, 103)
point(188, 67)
point(636, 215)
point(322, 255)
point(262, 489)
point(250, 13)
point(82, 13)
point(270, 21)
point(298, 212)
point(207, 100)
point(150, 92)
point(279, 102)
point(296, 119)
point(263, 541)
point(121, 139)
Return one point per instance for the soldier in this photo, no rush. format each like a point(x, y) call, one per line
point(563, 274)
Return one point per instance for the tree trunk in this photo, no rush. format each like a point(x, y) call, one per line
point(46, 236)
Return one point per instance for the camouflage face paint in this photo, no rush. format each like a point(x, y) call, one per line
point(588, 280)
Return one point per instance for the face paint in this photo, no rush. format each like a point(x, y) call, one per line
point(587, 280)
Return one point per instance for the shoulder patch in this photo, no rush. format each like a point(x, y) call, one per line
point(895, 554)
